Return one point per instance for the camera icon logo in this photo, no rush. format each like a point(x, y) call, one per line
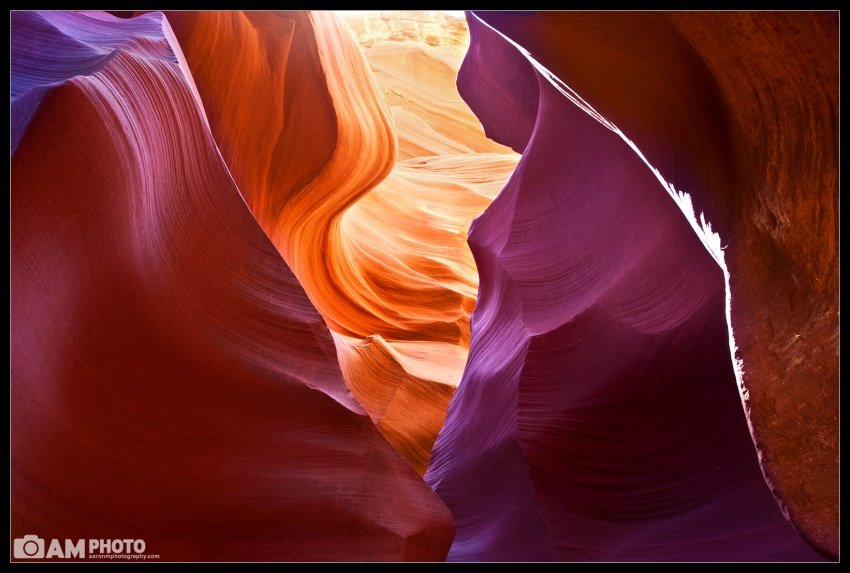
point(29, 547)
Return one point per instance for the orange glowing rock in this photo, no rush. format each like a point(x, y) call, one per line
point(346, 163)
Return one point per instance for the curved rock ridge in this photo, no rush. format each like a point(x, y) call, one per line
point(36, 66)
point(338, 115)
point(741, 111)
point(359, 138)
point(598, 417)
point(373, 215)
point(407, 236)
point(433, 200)
point(170, 379)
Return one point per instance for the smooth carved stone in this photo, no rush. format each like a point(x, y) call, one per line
point(170, 379)
point(599, 393)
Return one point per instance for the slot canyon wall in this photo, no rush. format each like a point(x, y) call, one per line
point(315, 286)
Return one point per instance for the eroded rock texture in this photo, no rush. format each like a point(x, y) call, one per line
point(366, 178)
point(257, 256)
point(600, 400)
point(171, 380)
point(740, 110)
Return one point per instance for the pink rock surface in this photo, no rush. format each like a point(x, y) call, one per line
point(598, 417)
point(740, 110)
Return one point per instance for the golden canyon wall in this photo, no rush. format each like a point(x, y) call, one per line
point(365, 182)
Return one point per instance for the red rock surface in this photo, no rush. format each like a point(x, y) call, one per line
point(171, 380)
